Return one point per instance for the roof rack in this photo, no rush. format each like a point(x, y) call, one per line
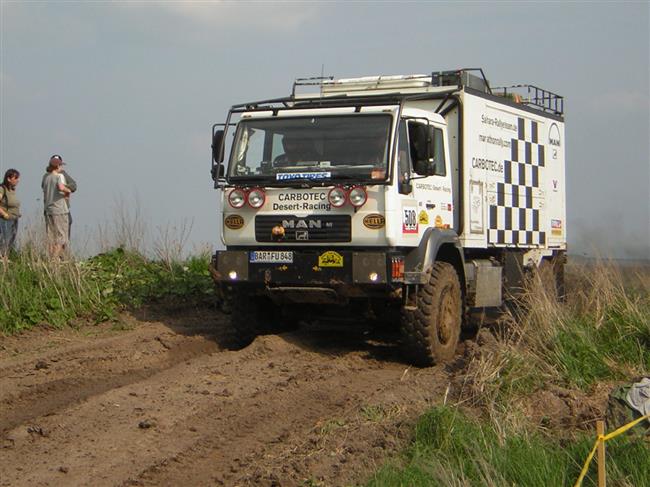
point(465, 77)
point(291, 103)
point(462, 77)
point(313, 81)
point(533, 95)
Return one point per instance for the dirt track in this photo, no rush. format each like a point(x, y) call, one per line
point(160, 401)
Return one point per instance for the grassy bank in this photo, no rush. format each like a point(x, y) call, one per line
point(543, 351)
point(601, 334)
point(448, 449)
point(34, 290)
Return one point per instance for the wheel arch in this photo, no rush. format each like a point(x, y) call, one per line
point(436, 245)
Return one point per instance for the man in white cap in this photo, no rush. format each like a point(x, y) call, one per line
point(57, 223)
point(68, 181)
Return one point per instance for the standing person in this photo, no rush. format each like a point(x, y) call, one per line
point(57, 223)
point(70, 183)
point(9, 212)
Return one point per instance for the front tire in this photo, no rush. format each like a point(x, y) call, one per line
point(431, 328)
point(250, 316)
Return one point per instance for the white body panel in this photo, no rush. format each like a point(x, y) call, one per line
point(513, 182)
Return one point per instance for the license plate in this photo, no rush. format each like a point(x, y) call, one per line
point(270, 257)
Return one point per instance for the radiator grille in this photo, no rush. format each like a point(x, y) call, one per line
point(315, 228)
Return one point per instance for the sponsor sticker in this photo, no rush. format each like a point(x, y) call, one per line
point(288, 176)
point(270, 257)
point(556, 227)
point(374, 221)
point(234, 222)
point(409, 220)
point(330, 259)
point(423, 218)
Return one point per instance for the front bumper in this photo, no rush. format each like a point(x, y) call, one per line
point(329, 268)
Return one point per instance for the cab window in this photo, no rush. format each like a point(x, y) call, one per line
point(439, 152)
point(403, 159)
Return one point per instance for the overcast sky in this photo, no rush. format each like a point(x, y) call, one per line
point(127, 92)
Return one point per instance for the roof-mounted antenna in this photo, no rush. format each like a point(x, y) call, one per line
point(322, 76)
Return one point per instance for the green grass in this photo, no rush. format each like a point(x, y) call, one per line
point(448, 449)
point(34, 291)
point(605, 345)
point(602, 334)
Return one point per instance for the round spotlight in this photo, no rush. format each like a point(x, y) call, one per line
point(337, 197)
point(358, 196)
point(237, 198)
point(256, 198)
point(373, 276)
point(232, 275)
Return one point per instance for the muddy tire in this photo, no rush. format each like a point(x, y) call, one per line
point(250, 316)
point(431, 330)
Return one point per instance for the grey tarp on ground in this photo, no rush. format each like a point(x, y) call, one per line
point(638, 396)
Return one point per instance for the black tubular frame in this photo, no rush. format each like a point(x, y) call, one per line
point(546, 100)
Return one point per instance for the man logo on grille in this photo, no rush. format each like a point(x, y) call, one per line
point(302, 223)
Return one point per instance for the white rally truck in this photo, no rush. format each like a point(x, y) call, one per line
point(419, 197)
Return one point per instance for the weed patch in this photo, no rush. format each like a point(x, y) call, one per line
point(33, 290)
point(448, 449)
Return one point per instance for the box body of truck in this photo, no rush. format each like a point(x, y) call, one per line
point(377, 188)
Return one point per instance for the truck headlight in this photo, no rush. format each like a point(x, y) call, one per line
point(337, 197)
point(358, 196)
point(237, 198)
point(256, 198)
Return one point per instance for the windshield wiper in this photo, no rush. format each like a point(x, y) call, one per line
point(303, 182)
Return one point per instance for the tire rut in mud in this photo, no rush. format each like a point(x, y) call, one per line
point(323, 405)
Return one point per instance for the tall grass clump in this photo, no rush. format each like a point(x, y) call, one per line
point(449, 449)
point(599, 334)
point(34, 290)
point(602, 333)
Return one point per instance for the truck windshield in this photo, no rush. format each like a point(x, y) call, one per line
point(347, 147)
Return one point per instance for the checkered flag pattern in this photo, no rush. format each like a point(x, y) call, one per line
point(513, 220)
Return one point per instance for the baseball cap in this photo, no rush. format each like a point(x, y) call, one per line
point(56, 160)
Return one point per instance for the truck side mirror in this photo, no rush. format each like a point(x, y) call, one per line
point(218, 171)
point(404, 185)
point(217, 146)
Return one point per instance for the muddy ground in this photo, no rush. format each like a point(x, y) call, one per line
point(158, 399)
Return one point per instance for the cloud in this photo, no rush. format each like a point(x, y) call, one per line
point(261, 16)
point(627, 101)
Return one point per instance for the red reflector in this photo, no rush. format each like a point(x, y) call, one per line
point(397, 268)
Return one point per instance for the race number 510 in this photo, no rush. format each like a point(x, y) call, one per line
point(409, 220)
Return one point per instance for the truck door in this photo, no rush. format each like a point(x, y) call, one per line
point(431, 176)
